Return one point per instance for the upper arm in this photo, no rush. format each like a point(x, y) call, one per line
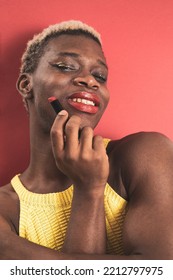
point(147, 173)
point(8, 212)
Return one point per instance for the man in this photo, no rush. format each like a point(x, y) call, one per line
point(76, 199)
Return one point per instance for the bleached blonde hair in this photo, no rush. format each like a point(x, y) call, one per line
point(35, 47)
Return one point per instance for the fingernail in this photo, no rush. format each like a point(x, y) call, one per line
point(62, 113)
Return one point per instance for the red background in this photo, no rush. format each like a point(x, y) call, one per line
point(138, 42)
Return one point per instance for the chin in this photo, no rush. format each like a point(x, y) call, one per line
point(88, 122)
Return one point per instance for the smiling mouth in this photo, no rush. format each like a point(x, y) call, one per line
point(85, 102)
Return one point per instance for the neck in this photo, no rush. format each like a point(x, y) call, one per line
point(42, 175)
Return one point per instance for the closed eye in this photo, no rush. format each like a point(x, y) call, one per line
point(65, 67)
point(100, 78)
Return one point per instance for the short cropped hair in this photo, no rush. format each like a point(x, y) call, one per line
point(35, 47)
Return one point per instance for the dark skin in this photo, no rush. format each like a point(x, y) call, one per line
point(138, 167)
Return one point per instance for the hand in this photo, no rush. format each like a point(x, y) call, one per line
point(83, 160)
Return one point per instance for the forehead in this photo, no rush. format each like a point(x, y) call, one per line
point(79, 44)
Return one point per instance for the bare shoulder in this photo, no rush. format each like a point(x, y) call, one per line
point(140, 146)
point(9, 206)
point(140, 155)
point(139, 141)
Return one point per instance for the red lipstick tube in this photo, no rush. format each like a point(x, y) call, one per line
point(55, 104)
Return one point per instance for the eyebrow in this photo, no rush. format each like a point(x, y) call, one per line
point(71, 54)
point(76, 55)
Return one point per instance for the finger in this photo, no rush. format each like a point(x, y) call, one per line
point(72, 133)
point(57, 131)
point(86, 138)
point(98, 144)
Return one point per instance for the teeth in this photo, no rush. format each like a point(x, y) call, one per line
point(84, 101)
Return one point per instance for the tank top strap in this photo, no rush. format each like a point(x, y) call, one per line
point(106, 141)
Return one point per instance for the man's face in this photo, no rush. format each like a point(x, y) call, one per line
point(72, 69)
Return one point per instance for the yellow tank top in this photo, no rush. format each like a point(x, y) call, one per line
point(44, 217)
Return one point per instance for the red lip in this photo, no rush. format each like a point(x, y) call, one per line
point(86, 108)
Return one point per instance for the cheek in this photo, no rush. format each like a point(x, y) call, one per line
point(106, 98)
point(54, 86)
point(42, 86)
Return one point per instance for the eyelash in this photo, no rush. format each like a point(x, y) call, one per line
point(64, 67)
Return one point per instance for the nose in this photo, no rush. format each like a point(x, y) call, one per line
point(86, 81)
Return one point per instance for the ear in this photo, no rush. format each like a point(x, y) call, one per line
point(24, 86)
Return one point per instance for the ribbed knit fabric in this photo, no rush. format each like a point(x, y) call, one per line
point(44, 217)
